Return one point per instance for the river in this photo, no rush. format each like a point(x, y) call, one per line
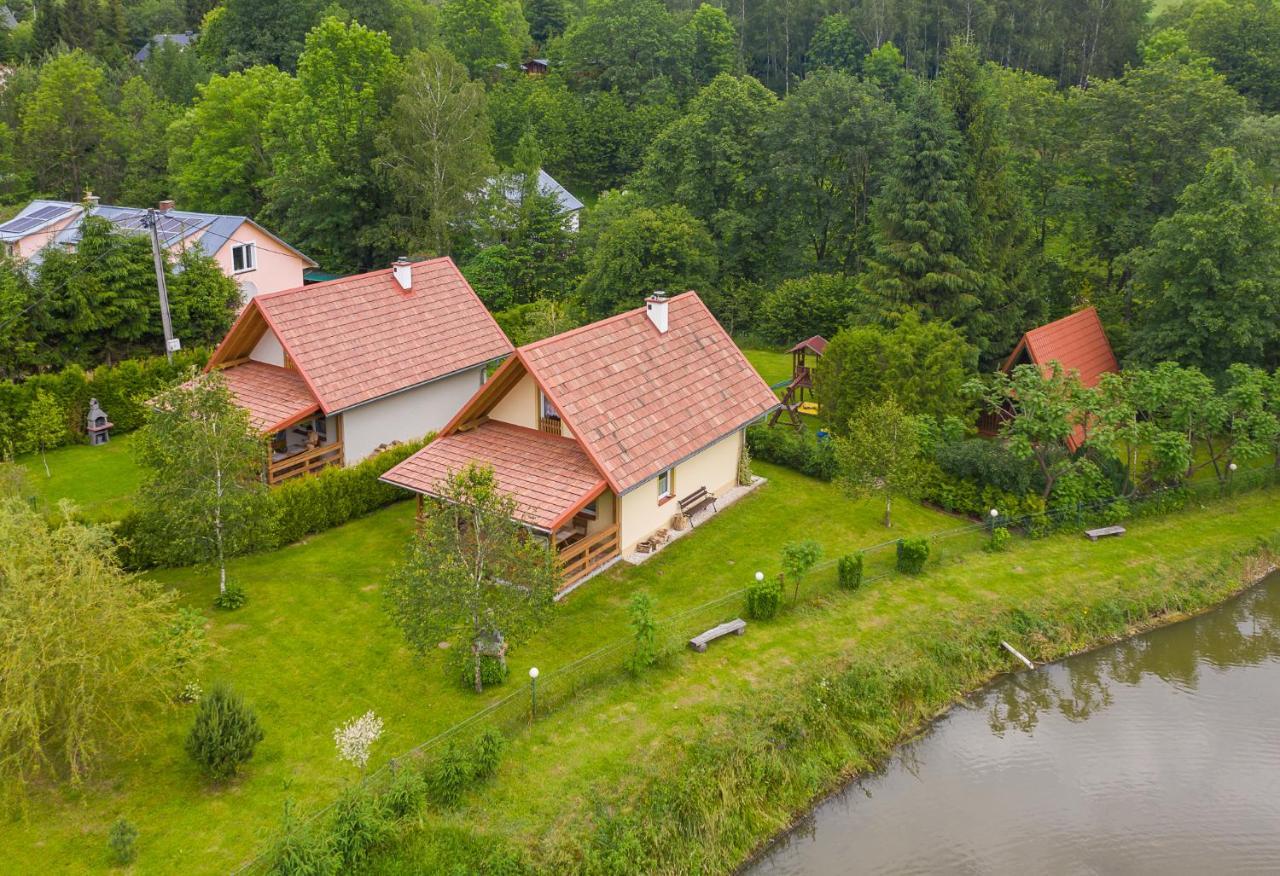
point(1160, 754)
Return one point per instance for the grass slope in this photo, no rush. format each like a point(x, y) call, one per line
point(100, 480)
point(602, 746)
point(314, 648)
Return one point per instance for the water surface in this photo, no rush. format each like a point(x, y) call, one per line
point(1157, 755)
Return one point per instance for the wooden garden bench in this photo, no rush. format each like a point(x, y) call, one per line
point(699, 643)
point(1095, 534)
point(696, 500)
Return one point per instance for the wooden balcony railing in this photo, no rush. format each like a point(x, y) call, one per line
point(550, 425)
point(304, 463)
point(584, 557)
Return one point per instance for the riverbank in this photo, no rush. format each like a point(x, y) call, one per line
point(696, 766)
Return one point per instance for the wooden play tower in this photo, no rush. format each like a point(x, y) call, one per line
point(795, 402)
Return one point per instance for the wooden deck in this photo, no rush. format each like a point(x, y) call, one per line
point(583, 557)
point(304, 463)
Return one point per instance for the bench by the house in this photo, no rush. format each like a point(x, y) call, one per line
point(1095, 534)
point(699, 643)
point(696, 500)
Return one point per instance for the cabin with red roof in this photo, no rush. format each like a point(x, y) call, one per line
point(334, 371)
point(1077, 342)
point(599, 433)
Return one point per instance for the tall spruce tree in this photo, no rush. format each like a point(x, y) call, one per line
point(1003, 234)
point(921, 241)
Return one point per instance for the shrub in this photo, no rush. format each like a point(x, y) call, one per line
point(298, 850)
point(406, 792)
point(764, 598)
point(231, 598)
point(801, 451)
point(447, 776)
point(990, 463)
point(356, 826)
point(121, 839)
point(912, 553)
point(354, 739)
point(798, 557)
point(487, 753)
point(1000, 538)
point(849, 571)
point(458, 665)
point(224, 734)
point(644, 629)
point(1116, 512)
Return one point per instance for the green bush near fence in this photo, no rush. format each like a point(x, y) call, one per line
point(912, 554)
point(121, 389)
point(849, 571)
point(799, 450)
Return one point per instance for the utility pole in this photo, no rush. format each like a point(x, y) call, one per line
point(170, 342)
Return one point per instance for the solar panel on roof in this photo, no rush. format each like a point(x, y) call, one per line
point(170, 225)
point(46, 213)
point(18, 226)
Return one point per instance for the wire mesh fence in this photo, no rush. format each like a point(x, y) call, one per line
point(531, 699)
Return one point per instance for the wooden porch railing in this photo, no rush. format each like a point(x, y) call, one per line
point(584, 557)
point(304, 463)
point(550, 425)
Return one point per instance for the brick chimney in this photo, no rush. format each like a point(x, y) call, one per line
point(655, 307)
point(90, 199)
point(403, 271)
point(164, 206)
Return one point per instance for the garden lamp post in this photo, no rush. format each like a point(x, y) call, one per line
point(1231, 476)
point(759, 576)
point(533, 692)
point(995, 516)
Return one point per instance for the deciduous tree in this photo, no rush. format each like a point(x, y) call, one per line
point(881, 454)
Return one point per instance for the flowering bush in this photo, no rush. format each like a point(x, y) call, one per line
point(191, 692)
point(355, 738)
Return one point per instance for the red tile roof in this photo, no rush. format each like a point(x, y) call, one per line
point(817, 344)
point(549, 477)
point(275, 397)
point(641, 400)
point(358, 338)
point(1077, 342)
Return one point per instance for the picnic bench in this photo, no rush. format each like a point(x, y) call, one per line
point(699, 643)
point(696, 500)
point(1095, 534)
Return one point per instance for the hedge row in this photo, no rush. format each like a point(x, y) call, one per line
point(121, 390)
point(307, 505)
point(799, 450)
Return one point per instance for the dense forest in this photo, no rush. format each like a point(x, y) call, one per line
point(804, 164)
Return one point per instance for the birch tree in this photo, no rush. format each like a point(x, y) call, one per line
point(472, 574)
point(203, 498)
point(435, 149)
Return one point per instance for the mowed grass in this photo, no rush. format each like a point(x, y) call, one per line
point(102, 481)
point(314, 648)
point(774, 367)
point(555, 773)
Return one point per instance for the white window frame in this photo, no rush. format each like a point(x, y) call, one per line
point(668, 491)
point(249, 264)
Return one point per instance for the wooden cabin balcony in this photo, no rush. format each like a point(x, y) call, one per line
point(307, 462)
point(580, 556)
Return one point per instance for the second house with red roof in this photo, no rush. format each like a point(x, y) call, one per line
point(602, 434)
point(334, 371)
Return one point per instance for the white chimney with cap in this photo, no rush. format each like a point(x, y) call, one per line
point(403, 271)
point(655, 306)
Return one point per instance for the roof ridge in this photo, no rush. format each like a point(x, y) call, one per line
point(312, 287)
point(617, 317)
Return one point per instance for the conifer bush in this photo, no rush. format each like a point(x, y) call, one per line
point(764, 598)
point(224, 734)
point(849, 571)
point(912, 553)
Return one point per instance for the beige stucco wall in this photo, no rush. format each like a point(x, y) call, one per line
point(406, 415)
point(268, 349)
point(520, 407)
point(715, 468)
point(277, 268)
point(604, 513)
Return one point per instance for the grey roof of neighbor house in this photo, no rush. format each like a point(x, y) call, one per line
point(548, 186)
point(175, 225)
point(182, 39)
point(7, 19)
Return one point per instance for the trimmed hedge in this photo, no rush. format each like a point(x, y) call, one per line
point(801, 451)
point(307, 505)
point(121, 389)
point(849, 571)
point(912, 554)
point(968, 497)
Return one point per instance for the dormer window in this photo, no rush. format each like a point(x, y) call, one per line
point(548, 416)
point(244, 257)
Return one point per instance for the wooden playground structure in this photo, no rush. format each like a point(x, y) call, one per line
point(795, 402)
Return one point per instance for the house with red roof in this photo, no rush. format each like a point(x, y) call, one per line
point(599, 433)
point(1077, 342)
point(334, 371)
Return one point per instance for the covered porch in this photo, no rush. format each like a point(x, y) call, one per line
point(302, 439)
point(561, 497)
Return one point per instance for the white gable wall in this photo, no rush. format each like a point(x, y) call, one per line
point(714, 467)
point(407, 415)
point(268, 349)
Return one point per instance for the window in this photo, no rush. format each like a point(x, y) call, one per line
point(244, 257)
point(591, 510)
point(666, 484)
point(548, 409)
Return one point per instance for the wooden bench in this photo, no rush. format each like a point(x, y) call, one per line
point(699, 643)
point(696, 500)
point(1095, 534)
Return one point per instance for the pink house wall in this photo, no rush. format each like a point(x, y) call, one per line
point(26, 247)
point(277, 268)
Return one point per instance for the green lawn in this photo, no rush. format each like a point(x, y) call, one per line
point(314, 648)
point(100, 480)
point(773, 367)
